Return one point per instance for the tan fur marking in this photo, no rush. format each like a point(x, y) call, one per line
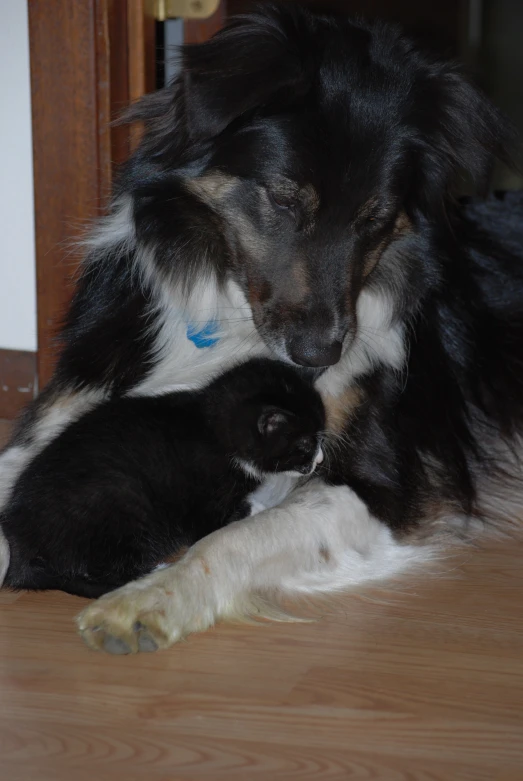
point(174, 557)
point(372, 258)
point(259, 291)
point(300, 282)
point(402, 225)
point(366, 209)
point(340, 408)
point(309, 197)
point(212, 186)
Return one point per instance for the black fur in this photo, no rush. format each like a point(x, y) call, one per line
point(343, 148)
point(107, 336)
point(125, 487)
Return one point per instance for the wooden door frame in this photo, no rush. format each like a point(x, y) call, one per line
point(89, 59)
point(70, 97)
point(71, 111)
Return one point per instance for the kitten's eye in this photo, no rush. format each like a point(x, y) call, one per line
point(304, 445)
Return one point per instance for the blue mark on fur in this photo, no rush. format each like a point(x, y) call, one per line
point(203, 336)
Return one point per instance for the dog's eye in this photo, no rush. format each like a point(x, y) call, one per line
point(380, 217)
point(282, 202)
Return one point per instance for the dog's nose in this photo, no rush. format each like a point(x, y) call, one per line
point(314, 352)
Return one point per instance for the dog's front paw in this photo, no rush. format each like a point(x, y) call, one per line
point(145, 615)
point(127, 621)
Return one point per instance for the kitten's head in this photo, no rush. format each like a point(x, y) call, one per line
point(270, 418)
point(284, 441)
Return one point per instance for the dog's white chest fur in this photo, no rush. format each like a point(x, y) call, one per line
point(183, 365)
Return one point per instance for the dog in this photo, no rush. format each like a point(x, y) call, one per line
point(295, 195)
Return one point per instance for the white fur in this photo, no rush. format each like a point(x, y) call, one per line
point(180, 364)
point(12, 462)
point(251, 470)
point(317, 460)
point(184, 366)
point(320, 540)
point(378, 341)
point(67, 408)
point(272, 491)
point(277, 486)
point(114, 230)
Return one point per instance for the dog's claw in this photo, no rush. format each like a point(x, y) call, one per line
point(146, 644)
point(114, 645)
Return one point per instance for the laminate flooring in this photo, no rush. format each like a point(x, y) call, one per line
point(419, 681)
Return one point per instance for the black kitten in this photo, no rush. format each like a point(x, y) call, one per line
point(125, 487)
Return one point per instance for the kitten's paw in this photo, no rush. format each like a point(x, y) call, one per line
point(143, 616)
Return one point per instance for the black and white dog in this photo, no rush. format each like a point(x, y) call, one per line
point(293, 196)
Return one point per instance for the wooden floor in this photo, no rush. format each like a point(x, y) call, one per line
point(423, 682)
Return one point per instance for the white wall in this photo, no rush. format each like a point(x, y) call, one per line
point(17, 250)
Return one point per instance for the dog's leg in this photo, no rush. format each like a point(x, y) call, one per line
point(321, 539)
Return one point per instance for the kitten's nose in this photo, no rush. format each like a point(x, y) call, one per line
point(314, 351)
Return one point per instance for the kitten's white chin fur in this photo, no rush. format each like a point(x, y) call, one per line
point(277, 486)
point(318, 458)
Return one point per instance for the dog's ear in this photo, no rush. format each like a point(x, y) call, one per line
point(252, 62)
point(462, 132)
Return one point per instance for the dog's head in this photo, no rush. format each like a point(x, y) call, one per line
point(311, 150)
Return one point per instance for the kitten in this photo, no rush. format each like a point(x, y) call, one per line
point(137, 479)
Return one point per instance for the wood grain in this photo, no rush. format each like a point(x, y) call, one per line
point(17, 381)
point(141, 37)
point(419, 681)
point(71, 146)
point(5, 429)
point(200, 30)
point(119, 78)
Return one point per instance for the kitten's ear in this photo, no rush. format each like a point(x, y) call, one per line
point(272, 421)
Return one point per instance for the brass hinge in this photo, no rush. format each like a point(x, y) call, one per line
point(184, 9)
